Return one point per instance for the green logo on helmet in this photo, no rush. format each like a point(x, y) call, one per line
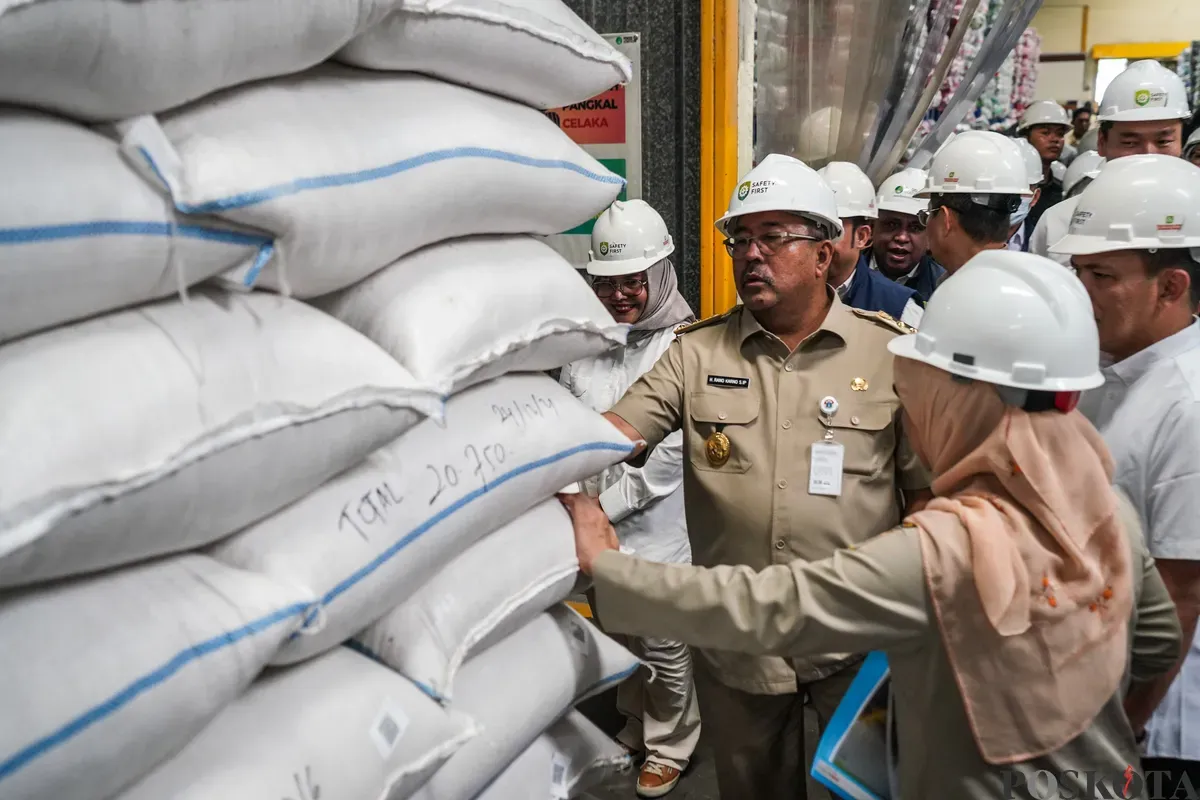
point(899, 190)
point(604, 248)
point(744, 191)
point(1141, 97)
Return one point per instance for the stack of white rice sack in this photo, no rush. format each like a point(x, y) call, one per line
point(272, 316)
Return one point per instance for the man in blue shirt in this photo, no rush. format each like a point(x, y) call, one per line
point(851, 275)
point(901, 247)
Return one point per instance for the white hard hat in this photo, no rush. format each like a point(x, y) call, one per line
point(978, 163)
point(1010, 319)
point(1089, 141)
point(1033, 161)
point(1146, 90)
point(628, 237)
point(1086, 165)
point(1044, 112)
point(783, 183)
point(854, 190)
point(896, 193)
point(1142, 202)
point(1192, 143)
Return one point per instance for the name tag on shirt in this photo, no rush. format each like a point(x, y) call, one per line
point(825, 469)
point(728, 382)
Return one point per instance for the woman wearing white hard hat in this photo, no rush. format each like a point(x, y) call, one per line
point(1045, 125)
point(1009, 606)
point(1142, 114)
point(901, 246)
point(850, 274)
point(632, 274)
point(1135, 243)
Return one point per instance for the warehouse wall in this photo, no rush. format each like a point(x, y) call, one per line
point(1116, 22)
point(670, 114)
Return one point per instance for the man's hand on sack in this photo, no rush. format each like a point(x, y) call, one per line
point(594, 534)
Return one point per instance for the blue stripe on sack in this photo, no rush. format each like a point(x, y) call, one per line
point(106, 227)
point(419, 531)
point(616, 677)
point(142, 685)
point(377, 173)
point(260, 261)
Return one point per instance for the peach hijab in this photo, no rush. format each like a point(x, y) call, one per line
point(1025, 560)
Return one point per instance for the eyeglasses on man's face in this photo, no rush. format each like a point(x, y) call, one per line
point(926, 214)
point(768, 243)
point(628, 287)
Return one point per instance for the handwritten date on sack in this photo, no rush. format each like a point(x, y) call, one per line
point(447, 478)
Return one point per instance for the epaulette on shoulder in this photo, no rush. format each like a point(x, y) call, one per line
point(885, 319)
point(704, 323)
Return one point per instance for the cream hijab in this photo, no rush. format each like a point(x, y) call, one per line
point(1025, 560)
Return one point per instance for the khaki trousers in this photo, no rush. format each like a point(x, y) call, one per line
point(758, 740)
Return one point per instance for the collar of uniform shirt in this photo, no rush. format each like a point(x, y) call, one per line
point(1140, 363)
point(838, 322)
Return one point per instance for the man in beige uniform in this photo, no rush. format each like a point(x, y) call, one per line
point(792, 450)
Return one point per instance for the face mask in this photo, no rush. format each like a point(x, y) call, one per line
point(1018, 216)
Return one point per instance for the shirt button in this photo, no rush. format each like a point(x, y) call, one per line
point(789, 368)
point(782, 484)
point(779, 545)
point(722, 415)
point(854, 420)
point(787, 424)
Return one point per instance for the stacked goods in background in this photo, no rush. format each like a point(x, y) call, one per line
point(1188, 67)
point(277, 511)
point(1010, 91)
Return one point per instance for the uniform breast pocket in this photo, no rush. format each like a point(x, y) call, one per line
point(722, 425)
point(866, 431)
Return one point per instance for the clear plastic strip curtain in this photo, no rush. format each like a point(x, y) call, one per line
point(850, 80)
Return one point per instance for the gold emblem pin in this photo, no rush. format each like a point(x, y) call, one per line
point(859, 384)
point(717, 447)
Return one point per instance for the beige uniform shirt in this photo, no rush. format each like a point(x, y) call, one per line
point(875, 598)
point(729, 374)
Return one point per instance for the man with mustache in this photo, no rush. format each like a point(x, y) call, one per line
point(792, 448)
point(901, 247)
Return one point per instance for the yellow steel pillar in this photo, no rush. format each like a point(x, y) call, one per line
point(718, 147)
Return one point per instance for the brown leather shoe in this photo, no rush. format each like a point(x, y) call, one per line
point(657, 779)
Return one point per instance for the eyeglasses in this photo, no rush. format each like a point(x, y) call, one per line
point(768, 243)
point(926, 214)
point(628, 287)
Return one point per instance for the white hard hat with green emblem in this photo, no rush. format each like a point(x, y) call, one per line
point(628, 237)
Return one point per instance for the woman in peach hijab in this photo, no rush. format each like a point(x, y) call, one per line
point(1014, 609)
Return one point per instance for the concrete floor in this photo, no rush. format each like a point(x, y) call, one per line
point(700, 780)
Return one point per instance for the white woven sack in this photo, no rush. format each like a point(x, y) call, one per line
point(101, 678)
point(112, 59)
point(436, 310)
point(81, 232)
point(340, 726)
point(352, 170)
point(571, 757)
point(535, 51)
point(368, 539)
point(164, 428)
point(518, 687)
point(494, 588)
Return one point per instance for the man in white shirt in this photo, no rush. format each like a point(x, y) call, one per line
point(1135, 243)
point(1143, 113)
